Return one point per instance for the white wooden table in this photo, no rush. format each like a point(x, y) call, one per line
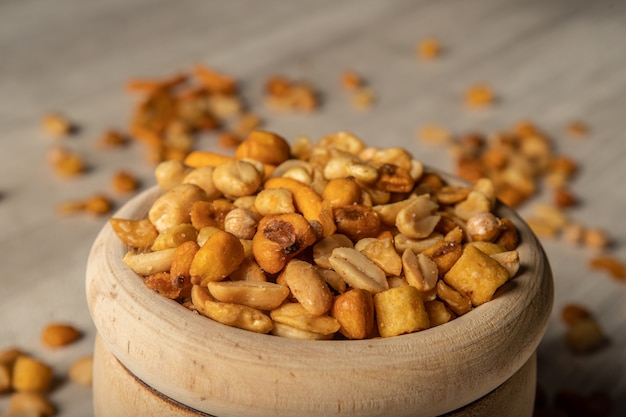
point(549, 61)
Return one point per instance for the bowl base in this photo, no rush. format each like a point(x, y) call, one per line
point(117, 392)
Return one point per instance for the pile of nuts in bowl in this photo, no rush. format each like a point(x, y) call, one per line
point(326, 240)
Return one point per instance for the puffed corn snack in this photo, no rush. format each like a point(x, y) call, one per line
point(343, 241)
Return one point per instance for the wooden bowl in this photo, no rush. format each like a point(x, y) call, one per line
point(184, 359)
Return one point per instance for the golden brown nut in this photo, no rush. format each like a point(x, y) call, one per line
point(220, 255)
point(266, 147)
point(59, 334)
point(279, 238)
point(357, 221)
point(354, 310)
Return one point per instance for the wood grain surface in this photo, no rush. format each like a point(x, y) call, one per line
point(548, 61)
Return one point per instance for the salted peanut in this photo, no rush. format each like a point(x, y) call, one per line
point(358, 271)
point(479, 95)
point(611, 265)
point(56, 125)
point(175, 236)
point(476, 275)
point(307, 202)
point(124, 182)
point(356, 221)
point(59, 334)
point(167, 287)
point(300, 174)
point(196, 159)
point(354, 310)
point(509, 236)
point(237, 178)
point(483, 227)
point(266, 147)
point(234, 315)
point(394, 179)
point(148, 263)
point(419, 270)
point(323, 249)
point(487, 247)
point(455, 235)
point(434, 134)
point(332, 278)
point(444, 254)
point(398, 157)
point(400, 310)
point(249, 270)
point(383, 253)
point(573, 313)
point(174, 207)
point(81, 371)
point(438, 313)
point(428, 49)
point(456, 301)
point(403, 242)
point(139, 234)
point(210, 213)
point(342, 192)
point(372, 196)
point(241, 223)
point(509, 260)
point(476, 202)
point(98, 205)
point(342, 140)
point(205, 233)
point(170, 173)
point(31, 375)
point(451, 194)
point(417, 220)
point(337, 165)
point(274, 201)
point(301, 147)
point(220, 255)
point(295, 315)
point(279, 238)
point(396, 281)
point(307, 286)
point(584, 336)
point(256, 294)
point(203, 178)
point(417, 170)
point(289, 332)
point(595, 238)
point(34, 402)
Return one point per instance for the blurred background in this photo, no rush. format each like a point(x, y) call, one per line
point(417, 74)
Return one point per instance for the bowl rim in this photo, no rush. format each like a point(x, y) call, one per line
point(448, 365)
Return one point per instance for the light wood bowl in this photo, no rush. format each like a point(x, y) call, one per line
point(222, 371)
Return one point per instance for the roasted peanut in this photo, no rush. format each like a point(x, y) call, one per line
point(456, 301)
point(419, 270)
point(307, 286)
point(483, 226)
point(249, 270)
point(203, 178)
point(175, 236)
point(290, 332)
point(237, 178)
point(357, 270)
point(171, 173)
point(342, 140)
point(383, 253)
point(402, 242)
point(274, 201)
point(174, 207)
point(150, 262)
point(323, 249)
point(417, 220)
point(255, 294)
point(295, 315)
point(139, 234)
